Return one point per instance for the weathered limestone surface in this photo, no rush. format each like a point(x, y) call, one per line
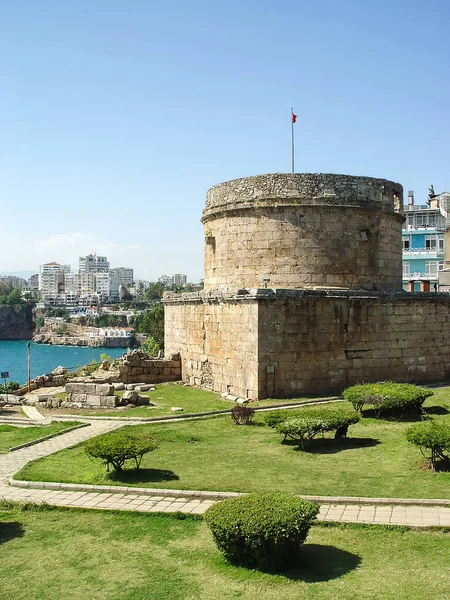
point(291, 342)
point(325, 343)
point(140, 366)
point(216, 337)
point(304, 231)
point(91, 395)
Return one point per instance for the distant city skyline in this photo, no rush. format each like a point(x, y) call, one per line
point(115, 121)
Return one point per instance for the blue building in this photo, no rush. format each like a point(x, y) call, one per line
point(423, 241)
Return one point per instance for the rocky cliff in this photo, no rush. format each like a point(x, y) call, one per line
point(16, 322)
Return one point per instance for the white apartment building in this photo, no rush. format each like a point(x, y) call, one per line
point(119, 278)
point(17, 282)
point(51, 280)
point(80, 284)
point(176, 279)
point(103, 285)
point(93, 264)
point(124, 275)
point(179, 279)
point(93, 283)
point(141, 286)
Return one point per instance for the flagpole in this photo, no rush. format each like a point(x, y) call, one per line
point(292, 137)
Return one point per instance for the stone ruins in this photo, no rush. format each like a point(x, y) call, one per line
point(303, 291)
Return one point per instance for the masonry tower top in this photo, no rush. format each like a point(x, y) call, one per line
point(304, 230)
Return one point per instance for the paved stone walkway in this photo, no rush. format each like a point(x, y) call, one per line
point(163, 501)
point(13, 461)
point(33, 413)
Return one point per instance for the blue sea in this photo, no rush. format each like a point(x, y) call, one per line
point(44, 358)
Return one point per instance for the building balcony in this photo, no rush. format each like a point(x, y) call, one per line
point(424, 228)
point(418, 276)
point(415, 253)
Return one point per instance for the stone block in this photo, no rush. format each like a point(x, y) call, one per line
point(104, 389)
point(54, 403)
point(93, 400)
point(80, 388)
point(110, 401)
point(130, 396)
point(81, 398)
point(42, 399)
point(119, 386)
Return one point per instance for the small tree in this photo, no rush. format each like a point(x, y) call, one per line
point(151, 346)
point(117, 447)
point(432, 438)
point(310, 424)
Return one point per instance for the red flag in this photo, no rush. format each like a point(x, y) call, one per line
point(294, 118)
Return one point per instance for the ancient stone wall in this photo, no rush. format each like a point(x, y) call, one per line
point(291, 342)
point(325, 343)
point(91, 395)
point(215, 336)
point(303, 231)
point(138, 366)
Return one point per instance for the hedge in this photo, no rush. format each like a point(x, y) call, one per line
point(387, 397)
point(262, 531)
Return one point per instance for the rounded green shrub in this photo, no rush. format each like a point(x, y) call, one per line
point(433, 439)
point(274, 417)
point(311, 423)
point(117, 447)
point(387, 397)
point(262, 531)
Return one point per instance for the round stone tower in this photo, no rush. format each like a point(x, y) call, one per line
point(304, 230)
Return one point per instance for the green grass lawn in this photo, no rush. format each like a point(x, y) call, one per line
point(79, 555)
point(215, 454)
point(11, 435)
point(190, 399)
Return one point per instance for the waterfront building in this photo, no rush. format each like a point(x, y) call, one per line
point(79, 284)
point(51, 281)
point(110, 332)
point(423, 242)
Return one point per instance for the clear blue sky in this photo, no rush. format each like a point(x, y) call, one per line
point(116, 117)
